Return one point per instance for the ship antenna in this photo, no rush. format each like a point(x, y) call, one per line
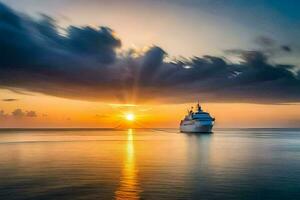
point(198, 106)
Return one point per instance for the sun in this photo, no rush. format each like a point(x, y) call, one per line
point(130, 117)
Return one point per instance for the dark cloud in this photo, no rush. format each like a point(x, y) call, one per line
point(82, 63)
point(271, 46)
point(18, 113)
point(3, 114)
point(286, 48)
point(265, 41)
point(9, 100)
point(31, 113)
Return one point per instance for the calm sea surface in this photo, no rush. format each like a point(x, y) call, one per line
point(147, 164)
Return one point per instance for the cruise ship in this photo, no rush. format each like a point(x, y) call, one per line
point(197, 122)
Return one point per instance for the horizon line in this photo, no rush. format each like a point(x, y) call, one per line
point(111, 128)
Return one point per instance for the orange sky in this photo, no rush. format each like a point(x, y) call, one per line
point(59, 112)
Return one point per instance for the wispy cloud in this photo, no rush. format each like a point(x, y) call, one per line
point(10, 100)
point(115, 105)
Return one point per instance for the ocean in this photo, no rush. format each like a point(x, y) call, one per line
point(146, 164)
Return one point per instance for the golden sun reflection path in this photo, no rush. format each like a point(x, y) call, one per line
point(129, 186)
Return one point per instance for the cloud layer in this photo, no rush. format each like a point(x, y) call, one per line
point(82, 63)
point(17, 114)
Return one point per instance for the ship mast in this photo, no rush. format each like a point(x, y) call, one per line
point(199, 107)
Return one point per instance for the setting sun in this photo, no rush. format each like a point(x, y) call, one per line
point(130, 117)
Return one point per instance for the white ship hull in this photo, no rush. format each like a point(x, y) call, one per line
point(196, 126)
point(197, 122)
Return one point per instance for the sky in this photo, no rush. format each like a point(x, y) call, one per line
point(75, 63)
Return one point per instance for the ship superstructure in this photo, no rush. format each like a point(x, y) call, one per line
point(197, 122)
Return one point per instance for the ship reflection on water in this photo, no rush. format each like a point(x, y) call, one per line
point(129, 186)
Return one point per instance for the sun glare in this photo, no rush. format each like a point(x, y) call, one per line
point(130, 117)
